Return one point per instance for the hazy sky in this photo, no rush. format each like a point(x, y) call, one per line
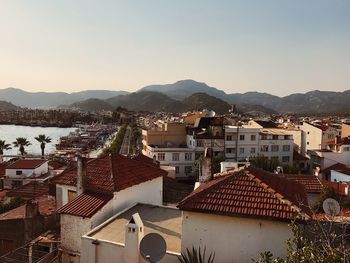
point(278, 46)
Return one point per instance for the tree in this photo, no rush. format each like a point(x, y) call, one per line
point(196, 256)
point(4, 146)
point(43, 139)
point(21, 142)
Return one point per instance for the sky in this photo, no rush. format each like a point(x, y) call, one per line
point(275, 46)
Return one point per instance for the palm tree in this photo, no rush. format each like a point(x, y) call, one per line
point(21, 142)
point(4, 146)
point(43, 139)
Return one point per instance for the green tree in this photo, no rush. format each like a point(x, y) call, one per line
point(20, 143)
point(43, 139)
point(4, 146)
point(196, 256)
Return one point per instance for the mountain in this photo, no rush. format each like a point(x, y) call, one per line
point(184, 88)
point(4, 105)
point(91, 105)
point(200, 101)
point(52, 99)
point(147, 101)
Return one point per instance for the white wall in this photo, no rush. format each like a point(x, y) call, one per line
point(339, 177)
point(233, 239)
point(149, 192)
point(64, 189)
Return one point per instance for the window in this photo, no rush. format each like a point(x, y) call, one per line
point(199, 143)
point(71, 195)
point(287, 137)
point(230, 150)
point(286, 148)
point(264, 148)
point(188, 169)
point(176, 156)
point(241, 150)
point(18, 172)
point(308, 132)
point(263, 136)
point(307, 143)
point(177, 169)
point(346, 149)
point(253, 137)
point(188, 156)
point(252, 150)
point(285, 159)
point(241, 137)
point(274, 137)
point(274, 148)
point(161, 156)
point(229, 138)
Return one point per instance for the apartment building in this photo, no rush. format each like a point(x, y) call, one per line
point(166, 143)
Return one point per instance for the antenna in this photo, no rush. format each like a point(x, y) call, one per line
point(331, 207)
point(152, 247)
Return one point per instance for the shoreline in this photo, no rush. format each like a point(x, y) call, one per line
point(38, 125)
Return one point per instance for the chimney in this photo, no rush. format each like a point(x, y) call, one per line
point(207, 172)
point(32, 209)
point(81, 173)
point(134, 231)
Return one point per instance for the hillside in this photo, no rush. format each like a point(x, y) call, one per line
point(4, 106)
point(52, 99)
point(200, 101)
point(91, 105)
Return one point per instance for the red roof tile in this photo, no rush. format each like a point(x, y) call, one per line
point(26, 164)
point(30, 190)
point(102, 176)
point(311, 182)
point(85, 205)
point(249, 192)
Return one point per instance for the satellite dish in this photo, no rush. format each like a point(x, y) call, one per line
point(331, 207)
point(153, 247)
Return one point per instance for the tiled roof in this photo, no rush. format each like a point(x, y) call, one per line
point(30, 190)
point(26, 164)
point(298, 157)
point(339, 167)
point(101, 176)
point(47, 206)
point(311, 182)
point(86, 204)
point(249, 192)
point(147, 160)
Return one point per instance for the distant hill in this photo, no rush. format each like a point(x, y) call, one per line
point(4, 105)
point(184, 88)
point(52, 99)
point(147, 101)
point(91, 105)
point(200, 101)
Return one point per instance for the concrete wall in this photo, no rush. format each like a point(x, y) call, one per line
point(174, 133)
point(233, 239)
point(312, 137)
point(150, 192)
point(345, 130)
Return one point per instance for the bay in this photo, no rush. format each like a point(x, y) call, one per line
point(9, 133)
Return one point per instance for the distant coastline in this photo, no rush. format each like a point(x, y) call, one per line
point(43, 125)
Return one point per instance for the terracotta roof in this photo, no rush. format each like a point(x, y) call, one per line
point(30, 190)
point(101, 176)
point(55, 165)
point(249, 192)
point(339, 167)
point(311, 182)
point(86, 204)
point(26, 164)
point(298, 157)
point(47, 206)
point(147, 160)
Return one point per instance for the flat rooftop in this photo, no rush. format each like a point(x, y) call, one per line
point(165, 221)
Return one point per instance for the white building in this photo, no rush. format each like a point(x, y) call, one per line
point(118, 238)
point(235, 222)
point(102, 188)
point(24, 171)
